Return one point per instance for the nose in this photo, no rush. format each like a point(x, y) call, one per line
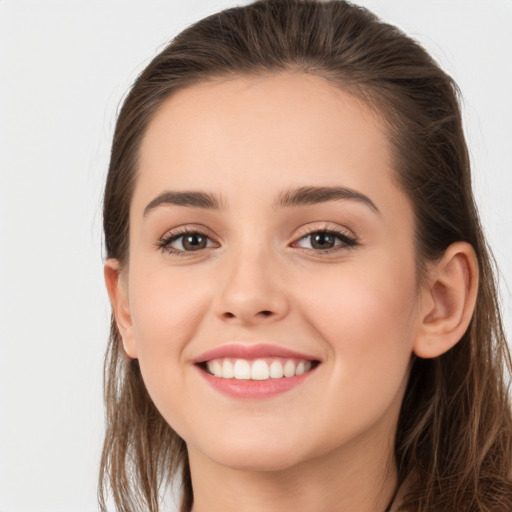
point(251, 289)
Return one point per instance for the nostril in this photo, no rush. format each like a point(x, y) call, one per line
point(265, 313)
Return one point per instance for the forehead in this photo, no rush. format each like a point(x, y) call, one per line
point(260, 134)
point(269, 112)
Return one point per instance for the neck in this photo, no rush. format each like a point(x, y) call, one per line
point(347, 480)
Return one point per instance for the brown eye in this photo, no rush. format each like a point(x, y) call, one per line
point(185, 242)
point(326, 240)
point(322, 241)
point(193, 242)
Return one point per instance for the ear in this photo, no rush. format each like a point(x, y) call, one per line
point(117, 290)
point(448, 301)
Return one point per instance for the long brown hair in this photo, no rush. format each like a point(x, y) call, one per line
point(454, 438)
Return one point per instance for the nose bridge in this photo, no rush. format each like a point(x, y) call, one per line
point(251, 289)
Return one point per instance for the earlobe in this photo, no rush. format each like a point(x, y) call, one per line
point(449, 301)
point(118, 295)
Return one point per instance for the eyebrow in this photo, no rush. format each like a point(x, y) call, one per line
point(290, 198)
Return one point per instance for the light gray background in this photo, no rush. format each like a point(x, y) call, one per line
point(64, 67)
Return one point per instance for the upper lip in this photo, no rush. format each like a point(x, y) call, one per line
point(243, 351)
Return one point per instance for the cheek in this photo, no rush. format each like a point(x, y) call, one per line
point(166, 312)
point(367, 316)
point(367, 322)
point(166, 309)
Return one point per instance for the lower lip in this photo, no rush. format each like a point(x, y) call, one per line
point(240, 388)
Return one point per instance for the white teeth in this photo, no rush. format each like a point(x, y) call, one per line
point(259, 369)
point(289, 369)
point(217, 369)
point(242, 369)
point(228, 372)
point(211, 367)
point(276, 370)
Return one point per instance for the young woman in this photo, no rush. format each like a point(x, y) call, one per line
point(305, 313)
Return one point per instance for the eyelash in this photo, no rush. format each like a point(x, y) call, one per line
point(347, 241)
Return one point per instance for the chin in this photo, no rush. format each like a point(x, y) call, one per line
point(259, 462)
point(254, 455)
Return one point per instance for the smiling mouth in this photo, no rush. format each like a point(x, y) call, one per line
point(260, 369)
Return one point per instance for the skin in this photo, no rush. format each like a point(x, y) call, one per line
point(327, 444)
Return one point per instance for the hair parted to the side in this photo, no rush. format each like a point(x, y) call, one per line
point(454, 438)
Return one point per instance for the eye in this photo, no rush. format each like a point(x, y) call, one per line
point(326, 240)
point(185, 241)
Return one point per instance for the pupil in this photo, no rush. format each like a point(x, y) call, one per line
point(321, 240)
point(194, 242)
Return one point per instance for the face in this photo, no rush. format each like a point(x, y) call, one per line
point(302, 258)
